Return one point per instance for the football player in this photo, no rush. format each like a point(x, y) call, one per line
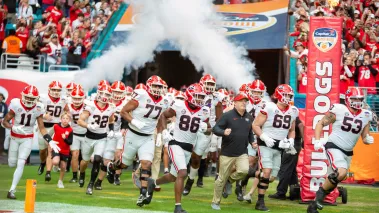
point(101, 83)
point(116, 142)
point(348, 121)
point(191, 117)
point(128, 93)
point(142, 113)
point(272, 125)
point(69, 87)
point(25, 112)
point(97, 117)
point(75, 109)
point(54, 105)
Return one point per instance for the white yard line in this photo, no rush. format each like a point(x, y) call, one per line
point(46, 207)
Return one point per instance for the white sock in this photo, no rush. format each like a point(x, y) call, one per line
point(193, 173)
point(17, 174)
point(165, 169)
point(214, 165)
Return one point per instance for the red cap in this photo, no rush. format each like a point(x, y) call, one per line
point(240, 96)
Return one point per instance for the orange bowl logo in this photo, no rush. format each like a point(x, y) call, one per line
point(325, 38)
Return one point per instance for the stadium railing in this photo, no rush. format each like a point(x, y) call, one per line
point(21, 61)
point(54, 68)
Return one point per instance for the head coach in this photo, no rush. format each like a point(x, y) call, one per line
point(235, 128)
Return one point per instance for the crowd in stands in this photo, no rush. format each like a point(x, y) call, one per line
point(63, 31)
point(360, 52)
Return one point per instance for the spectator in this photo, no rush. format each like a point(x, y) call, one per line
point(54, 51)
point(75, 50)
point(22, 33)
point(74, 11)
point(66, 37)
point(34, 4)
point(46, 4)
point(3, 112)
point(25, 11)
point(78, 22)
point(346, 77)
point(11, 7)
point(3, 22)
point(55, 12)
point(302, 76)
point(33, 49)
point(12, 44)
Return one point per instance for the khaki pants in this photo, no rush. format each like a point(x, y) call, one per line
point(226, 165)
point(156, 165)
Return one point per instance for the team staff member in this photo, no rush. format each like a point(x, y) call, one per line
point(235, 127)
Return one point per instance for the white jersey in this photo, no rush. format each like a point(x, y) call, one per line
point(170, 97)
point(254, 109)
point(187, 121)
point(99, 116)
point(75, 113)
point(24, 116)
point(54, 108)
point(278, 122)
point(117, 116)
point(148, 110)
point(348, 127)
point(211, 101)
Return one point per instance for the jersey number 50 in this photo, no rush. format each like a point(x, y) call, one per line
point(186, 123)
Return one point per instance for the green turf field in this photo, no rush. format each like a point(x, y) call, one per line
point(360, 199)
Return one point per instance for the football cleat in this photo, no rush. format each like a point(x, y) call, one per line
point(47, 177)
point(89, 189)
point(41, 169)
point(98, 185)
point(188, 187)
point(11, 194)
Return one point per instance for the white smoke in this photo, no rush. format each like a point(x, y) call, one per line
point(188, 26)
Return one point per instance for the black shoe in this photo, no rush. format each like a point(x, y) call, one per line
point(110, 172)
point(206, 173)
point(228, 187)
point(11, 195)
point(260, 205)
point(81, 181)
point(213, 171)
point(188, 187)
point(312, 207)
point(238, 192)
point(117, 181)
point(200, 183)
point(179, 209)
point(141, 200)
point(376, 184)
point(74, 180)
point(47, 177)
point(89, 189)
point(150, 190)
point(98, 185)
point(41, 169)
point(277, 196)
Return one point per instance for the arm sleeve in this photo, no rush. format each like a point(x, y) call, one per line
point(69, 138)
point(356, 74)
point(251, 133)
point(373, 71)
point(124, 123)
point(220, 126)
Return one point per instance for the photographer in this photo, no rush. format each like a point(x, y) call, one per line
point(75, 50)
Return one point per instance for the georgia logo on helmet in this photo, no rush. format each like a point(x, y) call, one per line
point(128, 91)
point(102, 82)
point(29, 96)
point(77, 96)
point(195, 95)
point(284, 94)
point(244, 88)
point(179, 95)
point(209, 83)
point(104, 94)
point(118, 90)
point(354, 98)
point(226, 99)
point(257, 90)
point(55, 89)
point(69, 87)
point(141, 86)
point(165, 87)
point(172, 90)
point(155, 85)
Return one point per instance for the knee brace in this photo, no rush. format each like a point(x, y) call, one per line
point(145, 172)
point(103, 167)
point(333, 178)
point(265, 181)
point(97, 159)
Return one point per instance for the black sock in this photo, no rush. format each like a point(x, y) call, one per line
point(43, 164)
point(95, 171)
point(116, 176)
point(99, 181)
point(201, 169)
point(143, 190)
point(261, 196)
point(82, 175)
point(75, 175)
point(321, 194)
point(47, 172)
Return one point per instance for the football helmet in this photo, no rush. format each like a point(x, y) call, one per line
point(155, 85)
point(179, 95)
point(104, 94)
point(141, 86)
point(29, 96)
point(118, 90)
point(226, 99)
point(77, 96)
point(128, 91)
point(165, 87)
point(55, 89)
point(69, 87)
point(354, 98)
point(209, 83)
point(284, 94)
point(172, 90)
point(102, 82)
point(195, 95)
point(257, 90)
point(243, 88)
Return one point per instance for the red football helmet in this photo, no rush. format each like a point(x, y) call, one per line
point(354, 98)
point(209, 83)
point(257, 90)
point(77, 96)
point(284, 94)
point(231, 94)
point(141, 86)
point(195, 95)
point(29, 96)
point(102, 82)
point(55, 89)
point(179, 95)
point(226, 99)
point(104, 94)
point(118, 90)
point(69, 87)
point(165, 87)
point(155, 85)
point(128, 91)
